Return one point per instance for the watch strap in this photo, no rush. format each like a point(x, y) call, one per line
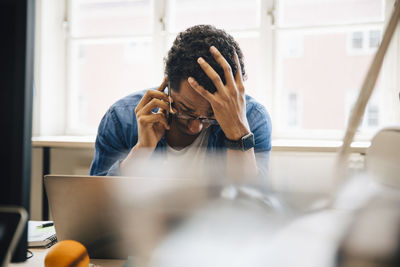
point(243, 144)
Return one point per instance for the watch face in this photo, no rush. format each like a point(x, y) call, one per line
point(245, 143)
point(248, 142)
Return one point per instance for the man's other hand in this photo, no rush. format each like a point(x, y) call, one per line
point(151, 125)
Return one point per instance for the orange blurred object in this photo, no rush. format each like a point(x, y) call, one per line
point(67, 253)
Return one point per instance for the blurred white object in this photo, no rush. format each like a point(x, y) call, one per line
point(373, 238)
point(382, 160)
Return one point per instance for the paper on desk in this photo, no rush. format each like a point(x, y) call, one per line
point(38, 236)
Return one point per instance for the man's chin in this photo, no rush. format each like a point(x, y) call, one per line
point(188, 132)
point(183, 129)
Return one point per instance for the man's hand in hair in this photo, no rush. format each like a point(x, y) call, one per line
point(228, 102)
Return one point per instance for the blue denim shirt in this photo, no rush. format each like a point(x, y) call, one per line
point(118, 133)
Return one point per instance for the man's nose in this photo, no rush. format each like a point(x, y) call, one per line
point(195, 126)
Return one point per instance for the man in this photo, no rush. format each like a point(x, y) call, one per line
point(207, 111)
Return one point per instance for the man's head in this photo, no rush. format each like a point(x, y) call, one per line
point(193, 43)
point(181, 63)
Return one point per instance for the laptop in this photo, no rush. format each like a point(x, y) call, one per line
point(117, 217)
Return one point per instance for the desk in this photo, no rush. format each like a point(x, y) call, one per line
point(310, 240)
point(245, 231)
point(39, 255)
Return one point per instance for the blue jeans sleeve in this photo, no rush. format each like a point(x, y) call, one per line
point(260, 125)
point(110, 147)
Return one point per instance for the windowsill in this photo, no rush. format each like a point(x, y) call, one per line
point(283, 145)
point(64, 141)
point(316, 146)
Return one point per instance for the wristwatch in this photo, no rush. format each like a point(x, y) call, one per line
point(244, 143)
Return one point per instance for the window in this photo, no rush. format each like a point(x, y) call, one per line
point(374, 38)
point(372, 116)
point(301, 56)
point(293, 110)
point(110, 55)
point(365, 42)
point(357, 40)
point(114, 49)
point(324, 71)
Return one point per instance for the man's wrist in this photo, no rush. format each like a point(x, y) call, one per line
point(245, 143)
point(141, 145)
point(237, 132)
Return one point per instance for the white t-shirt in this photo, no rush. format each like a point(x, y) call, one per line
point(189, 160)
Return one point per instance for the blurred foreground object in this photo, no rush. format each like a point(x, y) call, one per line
point(368, 86)
point(383, 157)
point(67, 253)
point(374, 238)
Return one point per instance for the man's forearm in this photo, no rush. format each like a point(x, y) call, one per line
point(136, 161)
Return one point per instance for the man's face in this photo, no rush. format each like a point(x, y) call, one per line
point(188, 102)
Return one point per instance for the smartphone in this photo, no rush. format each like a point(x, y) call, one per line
point(169, 112)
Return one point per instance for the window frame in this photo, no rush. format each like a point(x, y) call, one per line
point(53, 107)
point(390, 67)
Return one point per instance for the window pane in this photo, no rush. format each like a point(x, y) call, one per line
point(293, 110)
point(102, 73)
point(371, 119)
point(323, 12)
point(250, 45)
point(322, 70)
point(226, 14)
point(357, 40)
point(373, 116)
point(374, 38)
point(319, 68)
point(90, 18)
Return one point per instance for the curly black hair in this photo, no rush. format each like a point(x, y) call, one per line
point(193, 43)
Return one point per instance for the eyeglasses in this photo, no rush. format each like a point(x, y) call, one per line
point(205, 120)
point(183, 116)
